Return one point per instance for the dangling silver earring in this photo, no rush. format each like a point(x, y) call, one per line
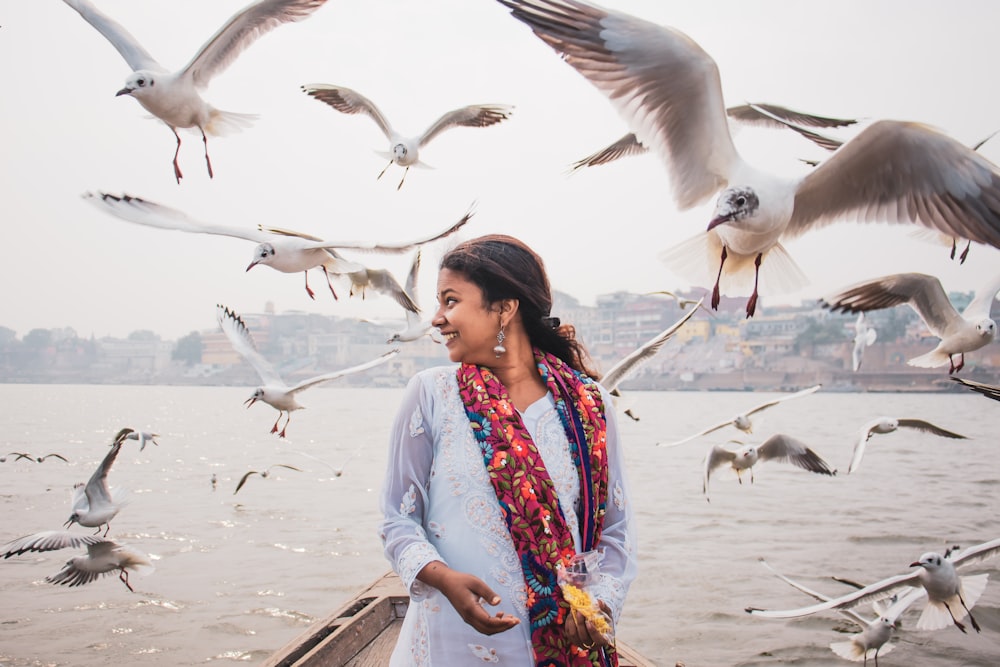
point(499, 349)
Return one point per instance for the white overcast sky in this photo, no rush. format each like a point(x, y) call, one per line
point(307, 167)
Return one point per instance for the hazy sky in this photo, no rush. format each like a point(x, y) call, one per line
point(307, 167)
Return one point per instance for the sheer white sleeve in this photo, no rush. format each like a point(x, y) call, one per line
point(618, 538)
point(404, 492)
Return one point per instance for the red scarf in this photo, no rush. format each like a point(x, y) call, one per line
point(527, 495)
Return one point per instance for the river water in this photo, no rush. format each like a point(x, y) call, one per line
point(239, 575)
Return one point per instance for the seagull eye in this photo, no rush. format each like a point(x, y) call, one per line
point(741, 201)
point(141, 82)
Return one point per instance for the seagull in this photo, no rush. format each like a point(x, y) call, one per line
point(415, 327)
point(778, 447)
point(20, 455)
point(262, 473)
point(143, 437)
point(959, 332)
point(360, 276)
point(864, 336)
point(668, 89)
point(94, 504)
point(628, 365)
point(103, 556)
point(405, 151)
point(751, 114)
point(950, 597)
point(875, 633)
point(987, 390)
point(41, 459)
point(888, 425)
point(174, 97)
point(282, 250)
point(742, 421)
point(274, 391)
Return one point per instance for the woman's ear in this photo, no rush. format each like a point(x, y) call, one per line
point(508, 309)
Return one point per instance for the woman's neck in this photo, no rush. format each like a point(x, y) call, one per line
point(523, 382)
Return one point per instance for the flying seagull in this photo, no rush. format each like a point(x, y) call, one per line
point(864, 336)
point(143, 437)
point(778, 447)
point(94, 504)
point(959, 332)
point(274, 391)
point(876, 632)
point(742, 421)
point(415, 327)
point(632, 361)
point(950, 597)
point(103, 556)
point(882, 425)
point(405, 151)
point(282, 250)
point(174, 97)
point(262, 473)
point(669, 91)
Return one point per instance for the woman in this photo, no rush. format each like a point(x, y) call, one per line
point(500, 470)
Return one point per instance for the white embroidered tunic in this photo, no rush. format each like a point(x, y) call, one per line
point(438, 504)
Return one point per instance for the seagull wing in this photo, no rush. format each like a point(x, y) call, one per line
point(475, 115)
point(706, 431)
point(383, 281)
point(624, 147)
point(928, 427)
point(411, 289)
point(859, 447)
point(97, 487)
point(120, 38)
point(48, 540)
point(821, 140)
point(58, 456)
point(377, 361)
point(922, 292)
point(716, 457)
point(239, 337)
point(644, 353)
point(242, 30)
point(978, 553)
point(143, 212)
point(853, 615)
point(877, 591)
point(981, 305)
point(947, 186)
point(780, 447)
point(663, 83)
point(775, 116)
point(393, 248)
point(282, 465)
point(349, 101)
point(781, 399)
point(987, 390)
point(243, 480)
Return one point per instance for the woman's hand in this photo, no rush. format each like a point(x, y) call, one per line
point(582, 632)
point(467, 594)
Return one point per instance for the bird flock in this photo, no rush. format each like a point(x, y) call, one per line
point(668, 92)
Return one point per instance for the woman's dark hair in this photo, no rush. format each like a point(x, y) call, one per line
point(503, 267)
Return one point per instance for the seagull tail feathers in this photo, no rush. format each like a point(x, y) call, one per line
point(849, 650)
point(932, 359)
point(221, 123)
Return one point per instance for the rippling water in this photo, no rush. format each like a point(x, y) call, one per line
point(239, 575)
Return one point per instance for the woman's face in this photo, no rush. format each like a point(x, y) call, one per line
point(468, 325)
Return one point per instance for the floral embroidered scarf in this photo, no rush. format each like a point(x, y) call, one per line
point(527, 494)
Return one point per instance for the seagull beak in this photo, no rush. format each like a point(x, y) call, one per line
point(252, 264)
point(718, 220)
point(915, 564)
point(124, 91)
point(69, 521)
point(250, 401)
